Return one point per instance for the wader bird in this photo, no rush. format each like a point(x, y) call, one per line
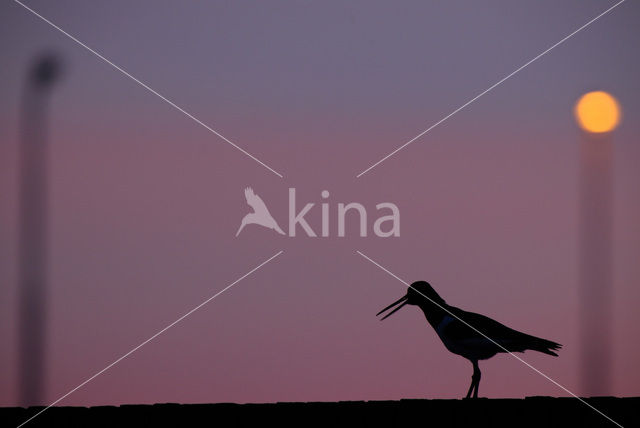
point(461, 338)
point(260, 214)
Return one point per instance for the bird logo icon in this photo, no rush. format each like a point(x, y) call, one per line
point(260, 214)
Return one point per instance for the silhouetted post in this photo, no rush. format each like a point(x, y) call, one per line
point(597, 114)
point(33, 230)
point(595, 280)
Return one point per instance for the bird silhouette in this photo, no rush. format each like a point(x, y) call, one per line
point(260, 214)
point(460, 331)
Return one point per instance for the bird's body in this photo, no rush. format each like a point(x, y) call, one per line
point(473, 336)
point(260, 214)
point(461, 339)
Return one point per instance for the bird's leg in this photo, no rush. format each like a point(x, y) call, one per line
point(476, 378)
point(473, 380)
point(470, 387)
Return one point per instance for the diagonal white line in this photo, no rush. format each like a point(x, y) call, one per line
point(147, 87)
point(152, 337)
point(488, 338)
point(490, 88)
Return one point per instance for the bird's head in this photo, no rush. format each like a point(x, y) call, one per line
point(419, 293)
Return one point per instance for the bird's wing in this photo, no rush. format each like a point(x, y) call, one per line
point(460, 330)
point(255, 202)
point(507, 338)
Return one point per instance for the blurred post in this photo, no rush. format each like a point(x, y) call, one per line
point(33, 231)
point(597, 114)
point(595, 272)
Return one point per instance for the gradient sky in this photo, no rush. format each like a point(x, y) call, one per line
point(145, 203)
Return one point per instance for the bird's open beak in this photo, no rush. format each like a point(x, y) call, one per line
point(402, 300)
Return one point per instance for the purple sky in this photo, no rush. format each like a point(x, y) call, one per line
point(145, 203)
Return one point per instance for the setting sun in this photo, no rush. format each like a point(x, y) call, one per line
point(598, 112)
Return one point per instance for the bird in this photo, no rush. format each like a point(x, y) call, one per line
point(460, 330)
point(260, 214)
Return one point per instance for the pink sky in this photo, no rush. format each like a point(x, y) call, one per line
point(145, 203)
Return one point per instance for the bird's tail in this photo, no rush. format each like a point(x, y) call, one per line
point(543, 345)
point(277, 229)
point(520, 342)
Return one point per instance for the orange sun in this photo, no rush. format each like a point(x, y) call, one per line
point(597, 112)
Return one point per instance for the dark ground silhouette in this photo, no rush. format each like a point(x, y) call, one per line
point(482, 412)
